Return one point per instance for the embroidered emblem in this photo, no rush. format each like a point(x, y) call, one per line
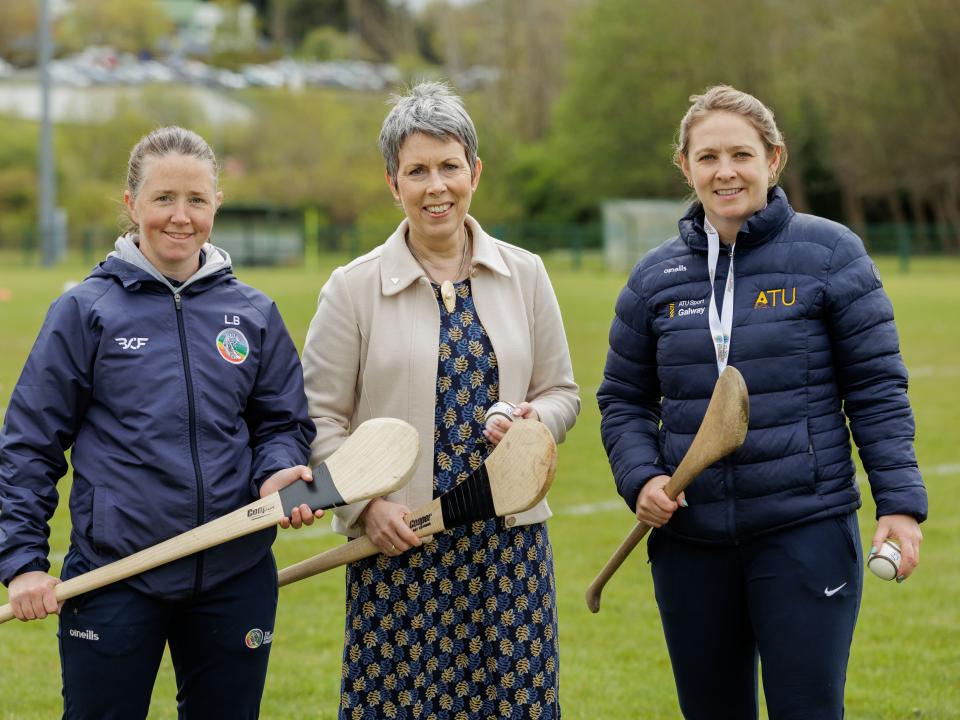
point(257, 637)
point(232, 346)
point(254, 638)
point(681, 308)
point(830, 593)
point(768, 298)
point(134, 343)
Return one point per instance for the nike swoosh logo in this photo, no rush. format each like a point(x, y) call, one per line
point(828, 592)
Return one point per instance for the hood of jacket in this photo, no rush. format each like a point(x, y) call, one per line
point(216, 261)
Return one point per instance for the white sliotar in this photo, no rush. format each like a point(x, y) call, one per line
point(501, 408)
point(885, 563)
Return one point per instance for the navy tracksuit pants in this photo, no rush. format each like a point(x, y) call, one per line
point(788, 599)
point(112, 642)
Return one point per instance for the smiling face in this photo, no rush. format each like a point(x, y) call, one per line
point(729, 168)
point(434, 185)
point(174, 210)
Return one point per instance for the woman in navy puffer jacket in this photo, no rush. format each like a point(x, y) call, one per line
point(760, 557)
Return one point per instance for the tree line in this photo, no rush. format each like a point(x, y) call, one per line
point(586, 108)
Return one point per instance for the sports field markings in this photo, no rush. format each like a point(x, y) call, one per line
point(929, 371)
point(565, 511)
point(919, 372)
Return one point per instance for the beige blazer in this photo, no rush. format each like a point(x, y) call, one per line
point(371, 351)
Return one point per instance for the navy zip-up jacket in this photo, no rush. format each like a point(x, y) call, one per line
point(814, 337)
point(177, 407)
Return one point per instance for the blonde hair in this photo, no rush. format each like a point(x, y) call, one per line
point(172, 140)
point(729, 99)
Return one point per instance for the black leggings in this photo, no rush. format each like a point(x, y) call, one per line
point(789, 599)
point(112, 641)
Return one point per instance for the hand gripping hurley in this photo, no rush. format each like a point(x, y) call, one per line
point(377, 459)
point(514, 478)
point(722, 431)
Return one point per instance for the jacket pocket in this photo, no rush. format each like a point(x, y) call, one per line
point(98, 518)
point(653, 539)
point(813, 468)
point(850, 529)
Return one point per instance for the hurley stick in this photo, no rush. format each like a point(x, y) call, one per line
point(514, 478)
point(378, 458)
point(722, 431)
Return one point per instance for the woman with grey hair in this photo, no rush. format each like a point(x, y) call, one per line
point(434, 326)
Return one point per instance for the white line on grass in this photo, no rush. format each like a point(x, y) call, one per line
point(568, 510)
point(948, 469)
point(590, 508)
point(587, 509)
point(929, 371)
point(917, 372)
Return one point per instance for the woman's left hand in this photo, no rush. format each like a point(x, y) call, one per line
point(906, 531)
point(498, 425)
point(301, 515)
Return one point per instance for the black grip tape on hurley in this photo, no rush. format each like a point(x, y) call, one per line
point(469, 501)
point(321, 494)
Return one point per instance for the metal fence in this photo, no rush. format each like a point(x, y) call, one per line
point(20, 246)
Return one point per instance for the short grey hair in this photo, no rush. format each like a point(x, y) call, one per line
point(431, 108)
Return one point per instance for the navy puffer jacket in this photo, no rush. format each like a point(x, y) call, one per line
point(814, 337)
point(177, 408)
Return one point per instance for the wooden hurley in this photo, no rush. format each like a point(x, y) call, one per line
point(722, 431)
point(515, 477)
point(377, 459)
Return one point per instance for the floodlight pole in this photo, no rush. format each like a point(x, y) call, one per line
point(48, 189)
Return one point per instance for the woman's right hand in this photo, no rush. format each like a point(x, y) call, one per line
point(31, 596)
point(654, 507)
point(387, 528)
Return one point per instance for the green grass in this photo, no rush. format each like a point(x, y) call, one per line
point(906, 655)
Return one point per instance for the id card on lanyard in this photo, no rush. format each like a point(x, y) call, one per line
point(721, 324)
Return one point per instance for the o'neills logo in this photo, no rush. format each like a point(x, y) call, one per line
point(84, 634)
point(254, 512)
point(420, 522)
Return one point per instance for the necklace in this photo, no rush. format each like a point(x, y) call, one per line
point(447, 292)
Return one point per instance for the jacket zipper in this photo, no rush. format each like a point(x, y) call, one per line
point(192, 412)
point(727, 465)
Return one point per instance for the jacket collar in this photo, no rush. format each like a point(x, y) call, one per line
point(131, 268)
point(758, 228)
point(399, 269)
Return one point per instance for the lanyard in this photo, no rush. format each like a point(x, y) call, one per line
point(721, 326)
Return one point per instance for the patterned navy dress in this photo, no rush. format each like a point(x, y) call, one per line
point(465, 627)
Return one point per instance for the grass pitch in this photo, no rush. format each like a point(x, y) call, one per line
point(614, 666)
